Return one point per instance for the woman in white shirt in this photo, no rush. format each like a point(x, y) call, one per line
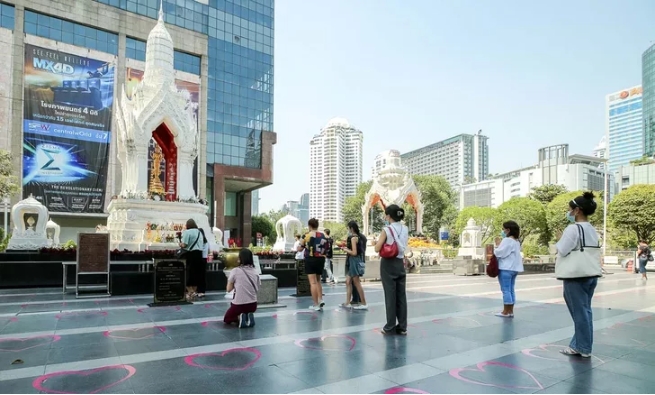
point(510, 264)
point(392, 271)
point(578, 292)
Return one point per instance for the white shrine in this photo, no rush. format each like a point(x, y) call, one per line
point(471, 241)
point(150, 211)
point(30, 219)
point(392, 185)
point(286, 229)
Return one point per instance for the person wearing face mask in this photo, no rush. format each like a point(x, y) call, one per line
point(579, 271)
point(392, 271)
point(510, 264)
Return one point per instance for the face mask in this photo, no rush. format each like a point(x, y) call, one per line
point(386, 223)
point(570, 217)
point(503, 234)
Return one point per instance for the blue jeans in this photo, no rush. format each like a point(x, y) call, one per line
point(642, 265)
point(578, 294)
point(507, 280)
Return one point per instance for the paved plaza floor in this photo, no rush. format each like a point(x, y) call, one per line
point(55, 344)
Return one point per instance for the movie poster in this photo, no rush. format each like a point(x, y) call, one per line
point(66, 130)
point(132, 79)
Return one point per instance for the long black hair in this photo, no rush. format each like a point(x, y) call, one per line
point(395, 212)
point(353, 225)
point(245, 258)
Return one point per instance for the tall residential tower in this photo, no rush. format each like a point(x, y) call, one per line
point(648, 83)
point(335, 169)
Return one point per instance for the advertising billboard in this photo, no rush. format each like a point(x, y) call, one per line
point(156, 183)
point(66, 129)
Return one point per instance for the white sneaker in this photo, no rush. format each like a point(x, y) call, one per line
point(321, 304)
point(361, 307)
point(316, 308)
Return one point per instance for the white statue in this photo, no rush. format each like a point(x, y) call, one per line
point(218, 238)
point(30, 218)
point(149, 213)
point(286, 228)
point(392, 185)
point(52, 231)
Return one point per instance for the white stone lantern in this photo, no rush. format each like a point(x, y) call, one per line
point(30, 218)
point(286, 228)
point(52, 231)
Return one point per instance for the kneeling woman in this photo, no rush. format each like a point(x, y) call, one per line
point(244, 281)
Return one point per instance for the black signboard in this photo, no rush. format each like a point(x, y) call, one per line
point(169, 282)
point(303, 287)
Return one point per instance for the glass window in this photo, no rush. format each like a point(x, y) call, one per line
point(230, 207)
point(69, 32)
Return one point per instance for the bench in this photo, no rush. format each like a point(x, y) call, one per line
point(267, 293)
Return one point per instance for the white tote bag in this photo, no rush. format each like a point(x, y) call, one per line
point(584, 261)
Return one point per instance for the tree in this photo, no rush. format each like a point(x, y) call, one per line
point(634, 209)
point(483, 216)
point(528, 213)
point(438, 201)
point(556, 212)
point(8, 182)
point(261, 224)
point(274, 215)
point(546, 193)
point(338, 231)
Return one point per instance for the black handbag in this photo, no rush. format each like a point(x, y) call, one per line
point(180, 253)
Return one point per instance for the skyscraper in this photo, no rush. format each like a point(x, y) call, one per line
point(648, 82)
point(624, 127)
point(600, 151)
point(460, 160)
point(335, 168)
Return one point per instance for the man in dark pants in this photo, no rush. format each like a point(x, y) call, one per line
point(328, 276)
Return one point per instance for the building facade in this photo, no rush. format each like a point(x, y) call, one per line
point(335, 169)
point(600, 151)
point(461, 159)
point(223, 59)
point(648, 84)
point(555, 167)
point(298, 209)
point(380, 161)
point(624, 127)
point(627, 176)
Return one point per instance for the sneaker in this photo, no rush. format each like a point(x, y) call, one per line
point(361, 307)
point(346, 306)
point(243, 320)
point(251, 320)
point(321, 304)
point(384, 332)
point(316, 308)
point(402, 332)
point(504, 315)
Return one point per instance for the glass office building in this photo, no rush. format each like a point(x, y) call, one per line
point(223, 46)
point(648, 83)
point(624, 127)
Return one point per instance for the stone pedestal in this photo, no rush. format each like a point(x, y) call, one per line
point(128, 219)
point(267, 293)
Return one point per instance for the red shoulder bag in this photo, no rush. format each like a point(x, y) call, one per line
point(492, 267)
point(389, 251)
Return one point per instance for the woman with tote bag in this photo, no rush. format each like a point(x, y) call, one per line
point(579, 266)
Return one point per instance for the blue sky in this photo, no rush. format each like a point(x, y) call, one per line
point(410, 73)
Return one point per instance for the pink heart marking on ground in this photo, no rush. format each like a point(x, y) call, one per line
point(404, 390)
point(191, 359)
point(40, 382)
point(480, 368)
point(13, 319)
point(116, 334)
point(47, 339)
point(79, 313)
point(321, 346)
point(555, 350)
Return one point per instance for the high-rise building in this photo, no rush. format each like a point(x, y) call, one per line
point(335, 169)
point(623, 111)
point(255, 202)
point(223, 58)
point(298, 209)
point(648, 83)
point(461, 159)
